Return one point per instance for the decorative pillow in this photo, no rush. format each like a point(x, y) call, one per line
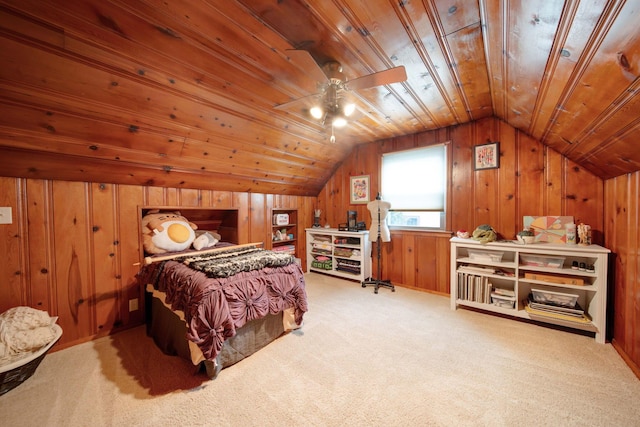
point(205, 239)
point(166, 232)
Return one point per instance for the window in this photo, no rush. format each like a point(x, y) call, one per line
point(415, 182)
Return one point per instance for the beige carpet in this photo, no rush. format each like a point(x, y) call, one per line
point(361, 359)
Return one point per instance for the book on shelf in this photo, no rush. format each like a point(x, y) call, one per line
point(485, 270)
point(476, 269)
point(551, 278)
point(502, 272)
point(505, 292)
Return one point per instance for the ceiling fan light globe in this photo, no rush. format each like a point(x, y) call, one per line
point(349, 109)
point(339, 122)
point(316, 112)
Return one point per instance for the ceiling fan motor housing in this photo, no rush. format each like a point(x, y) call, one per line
point(333, 70)
point(333, 88)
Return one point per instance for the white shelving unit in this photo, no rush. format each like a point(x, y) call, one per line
point(477, 270)
point(345, 254)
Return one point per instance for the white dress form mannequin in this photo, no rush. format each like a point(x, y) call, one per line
point(379, 210)
point(384, 207)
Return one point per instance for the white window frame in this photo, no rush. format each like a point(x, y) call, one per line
point(442, 153)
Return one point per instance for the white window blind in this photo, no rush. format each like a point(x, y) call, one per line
point(415, 179)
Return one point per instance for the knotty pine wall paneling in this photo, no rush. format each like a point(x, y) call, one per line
point(259, 217)
point(523, 185)
point(73, 262)
point(73, 250)
point(105, 270)
point(486, 197)
point(39, 270)
point(13, 268)
point(127, 249)
point(461, 178)
point(622, 237)
point(507, 208)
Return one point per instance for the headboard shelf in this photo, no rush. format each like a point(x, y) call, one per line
point(222, 221)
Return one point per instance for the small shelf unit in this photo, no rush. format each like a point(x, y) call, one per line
point(345, 254)
point(284, 231)
point(499, 277)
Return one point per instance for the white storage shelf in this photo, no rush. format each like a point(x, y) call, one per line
point(348, 253)
point(514, 268)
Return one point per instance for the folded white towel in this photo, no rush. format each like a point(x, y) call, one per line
point(24, 330)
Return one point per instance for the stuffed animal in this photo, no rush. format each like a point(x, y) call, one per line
point(484, 234)
point(166, 232)
point(205, 239)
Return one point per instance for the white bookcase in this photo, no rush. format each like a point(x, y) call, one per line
point(495, 275)
point(345, 254)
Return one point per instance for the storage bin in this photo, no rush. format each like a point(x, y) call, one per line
point(542, 260)
point(322, 264)
point(485, 256)
point(505, 301)
point(554, 298)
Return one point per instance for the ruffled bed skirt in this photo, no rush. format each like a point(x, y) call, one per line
point(168, 330)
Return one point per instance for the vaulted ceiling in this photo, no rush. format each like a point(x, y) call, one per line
point(186, 93)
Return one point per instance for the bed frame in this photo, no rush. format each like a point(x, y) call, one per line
point(168, 328)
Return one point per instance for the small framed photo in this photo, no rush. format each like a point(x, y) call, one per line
point(486, 156)
point(359, 189)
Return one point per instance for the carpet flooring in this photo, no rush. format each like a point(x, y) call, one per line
point(399, 358)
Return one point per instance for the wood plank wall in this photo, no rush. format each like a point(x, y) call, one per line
point(72, 246)
point(622, 236)
point(531, 180)
point(70, 249)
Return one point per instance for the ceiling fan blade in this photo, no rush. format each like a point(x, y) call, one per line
point(393, 75)
point(307, 64)
point(307, 101)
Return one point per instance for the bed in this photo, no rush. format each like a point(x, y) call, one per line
point(217, 306)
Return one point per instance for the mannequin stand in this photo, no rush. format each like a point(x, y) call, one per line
point(377, 283)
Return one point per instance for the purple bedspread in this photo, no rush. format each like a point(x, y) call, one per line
point(214, 307)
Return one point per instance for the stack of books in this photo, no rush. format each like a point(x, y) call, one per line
point(473, 287)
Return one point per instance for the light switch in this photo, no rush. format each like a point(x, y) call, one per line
point(5, 216)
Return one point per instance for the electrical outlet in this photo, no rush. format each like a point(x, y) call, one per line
point(133, 304)
point(5, 216)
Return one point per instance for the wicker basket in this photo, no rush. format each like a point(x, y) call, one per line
point(14, 374)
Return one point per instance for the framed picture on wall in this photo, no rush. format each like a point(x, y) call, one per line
point(486, 156)
point(359, 189)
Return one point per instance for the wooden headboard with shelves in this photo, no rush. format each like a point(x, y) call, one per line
point(222, 221)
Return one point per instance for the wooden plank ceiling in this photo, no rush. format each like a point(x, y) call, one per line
point(182, 93)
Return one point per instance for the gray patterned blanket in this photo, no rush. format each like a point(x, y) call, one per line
point(233, 261)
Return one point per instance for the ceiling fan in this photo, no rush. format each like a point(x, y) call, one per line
point(332, 104)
